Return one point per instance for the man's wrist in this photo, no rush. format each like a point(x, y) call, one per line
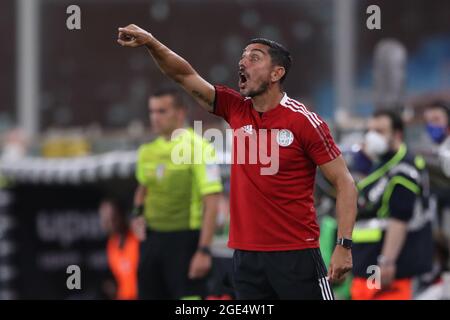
point(205, 250)
point(346, 243)
point(150, 42)
point(385, 261)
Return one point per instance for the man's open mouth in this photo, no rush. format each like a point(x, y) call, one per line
point(242, 78)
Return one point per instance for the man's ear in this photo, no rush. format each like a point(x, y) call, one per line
point(277, 73)
point(181, 113)
point(398, 136)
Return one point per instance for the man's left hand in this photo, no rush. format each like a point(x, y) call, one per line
point(341, 263)
point(387, 275)
point(200, 265)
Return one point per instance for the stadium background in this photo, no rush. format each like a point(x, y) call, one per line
point(73, 104)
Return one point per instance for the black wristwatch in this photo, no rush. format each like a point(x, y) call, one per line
point(204, 249)
point(346, 243)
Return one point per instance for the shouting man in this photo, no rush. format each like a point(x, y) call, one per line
point(273, 223)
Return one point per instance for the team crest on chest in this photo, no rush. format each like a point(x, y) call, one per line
point(285, 137)
point(160, 170)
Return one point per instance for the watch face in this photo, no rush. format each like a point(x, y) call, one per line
point(347, 243)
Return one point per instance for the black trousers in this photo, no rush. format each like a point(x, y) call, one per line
point(164, 265)
point(298, 274)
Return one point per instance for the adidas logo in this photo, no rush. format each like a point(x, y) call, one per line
point(248, 129)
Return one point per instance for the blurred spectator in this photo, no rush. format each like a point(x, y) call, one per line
point(437, 119)
point(176, 205)
point(59, 143)
point(15, 145)
point(122, 248)
point(393, 229)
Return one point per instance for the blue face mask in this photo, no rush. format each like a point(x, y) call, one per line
point(436, 133)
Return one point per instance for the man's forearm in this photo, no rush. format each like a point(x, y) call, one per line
point(171, 64)
point(139, 196)
point(394, 239)
point(346, 197)
point(209, 220)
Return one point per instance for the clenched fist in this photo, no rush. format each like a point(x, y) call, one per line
point(133, 36)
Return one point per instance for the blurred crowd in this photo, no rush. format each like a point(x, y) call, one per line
point(404, 188)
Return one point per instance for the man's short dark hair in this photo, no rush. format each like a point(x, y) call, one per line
point(120, 207)
point(279, 54)
point(175, 93)
point(440, 105)
point(396, 121)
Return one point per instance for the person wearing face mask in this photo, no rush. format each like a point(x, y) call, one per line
point(437, 155)
point(392, 235)
point(437, 123)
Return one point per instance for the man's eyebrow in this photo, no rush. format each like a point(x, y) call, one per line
point(258, 50)
point(255, 49)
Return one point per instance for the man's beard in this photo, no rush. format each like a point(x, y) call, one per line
point(262, 89)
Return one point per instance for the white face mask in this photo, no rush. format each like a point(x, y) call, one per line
point(375, 144)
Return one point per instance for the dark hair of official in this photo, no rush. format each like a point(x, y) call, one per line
point(279, 54)
point(175, 93)
point(120, 208)
point(396, 121)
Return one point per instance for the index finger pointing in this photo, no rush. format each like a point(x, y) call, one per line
point(127, 31)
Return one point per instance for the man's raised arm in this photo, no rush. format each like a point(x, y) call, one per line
point(171, 64)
